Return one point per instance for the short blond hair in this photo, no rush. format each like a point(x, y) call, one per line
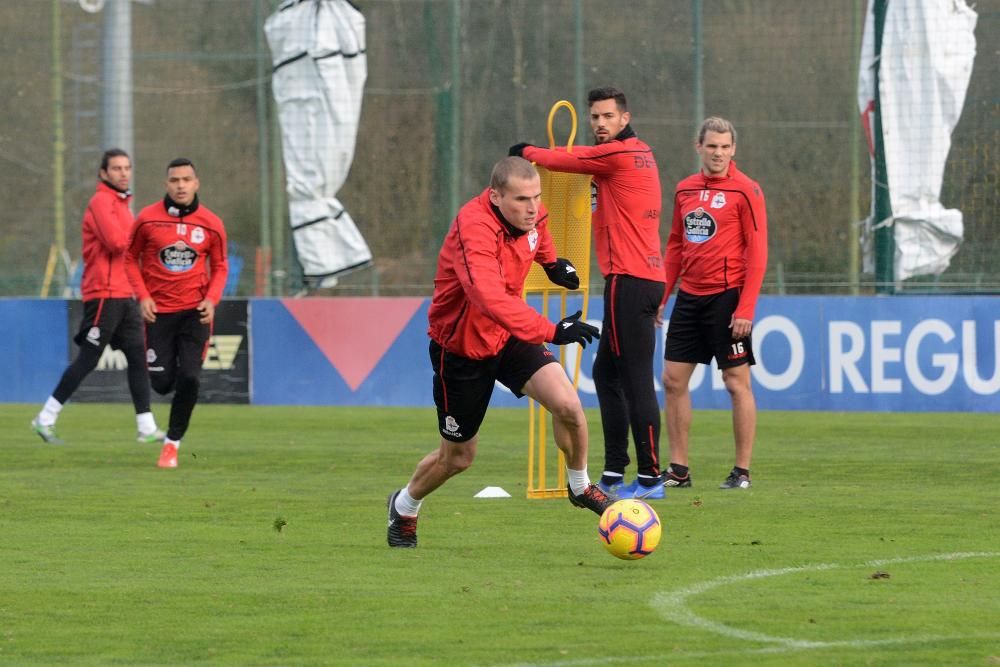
point(716, 124)
point(508, 168)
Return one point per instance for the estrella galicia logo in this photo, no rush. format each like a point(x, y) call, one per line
point(699, 226)
point(178, 257)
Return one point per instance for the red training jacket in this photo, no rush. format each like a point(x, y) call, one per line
point(107, 224)
point(477, 304)
point(626, 221)
point(177, 260)
point(718, 237)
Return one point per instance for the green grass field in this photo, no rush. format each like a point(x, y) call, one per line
point(866, 539)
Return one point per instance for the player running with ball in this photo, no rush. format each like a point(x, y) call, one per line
point(482, 332)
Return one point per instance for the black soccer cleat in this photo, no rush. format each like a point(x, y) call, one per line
point(736, 481)
point(593, 498)
point(402, 529)
point(672, 481)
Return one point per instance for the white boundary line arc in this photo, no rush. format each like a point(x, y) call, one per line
point(673, 606)
point(683, 616)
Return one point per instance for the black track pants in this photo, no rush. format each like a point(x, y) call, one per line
point(623, 373)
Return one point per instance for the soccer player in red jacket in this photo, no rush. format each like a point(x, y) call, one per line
point(110, 313)
point(483, 332)
point(177, 264)
point(718, 249)
point(626, 227)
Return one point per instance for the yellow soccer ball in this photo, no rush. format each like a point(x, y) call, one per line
point(630, 529)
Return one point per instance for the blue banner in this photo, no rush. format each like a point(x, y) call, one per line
point(813, 353)
point(33, 348)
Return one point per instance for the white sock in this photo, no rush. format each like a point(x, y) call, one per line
point(50, 412)
point(406, 504)
point(578, 480)
point(145, 422)
point(175, 443)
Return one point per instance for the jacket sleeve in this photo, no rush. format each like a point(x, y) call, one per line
point(479, 270)
point(593, 160)
point(111, 226)
point(672, 253)
point(218, 265)
point(132, 257)
point(753, 219)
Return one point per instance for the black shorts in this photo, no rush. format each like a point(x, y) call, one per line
point(110, 321)
point(699, 330)
point(463, 386)
point(176, 339)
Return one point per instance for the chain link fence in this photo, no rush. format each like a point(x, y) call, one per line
point(451, 84)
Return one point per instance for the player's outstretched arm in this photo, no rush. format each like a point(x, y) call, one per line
point(594, 160)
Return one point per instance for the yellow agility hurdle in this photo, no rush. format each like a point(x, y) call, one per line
point(567, 198)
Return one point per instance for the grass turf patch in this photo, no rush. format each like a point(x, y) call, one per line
point(267, 546)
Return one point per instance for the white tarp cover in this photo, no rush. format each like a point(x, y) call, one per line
point(320, 67)
point(928, 47)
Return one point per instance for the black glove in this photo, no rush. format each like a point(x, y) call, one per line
point(562, 272)
point(517, 150)
point(572, 330)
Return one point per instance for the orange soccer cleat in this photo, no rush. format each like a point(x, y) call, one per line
point(168, 456)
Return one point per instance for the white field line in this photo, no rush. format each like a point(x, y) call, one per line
point(672, 607)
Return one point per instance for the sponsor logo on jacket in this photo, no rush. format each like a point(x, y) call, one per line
point(699, 226)
point(178, 257)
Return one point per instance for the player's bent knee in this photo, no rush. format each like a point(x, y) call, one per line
point(737, 379)
point(460, 465)
point(187, 385)
point(161, 383)
point(457, 457)
point(84, 365)
point(567, 409)
point(87, 360)
point(674, 386)
point(135, 354)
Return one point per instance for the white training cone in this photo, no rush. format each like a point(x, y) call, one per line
point(492, 492)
